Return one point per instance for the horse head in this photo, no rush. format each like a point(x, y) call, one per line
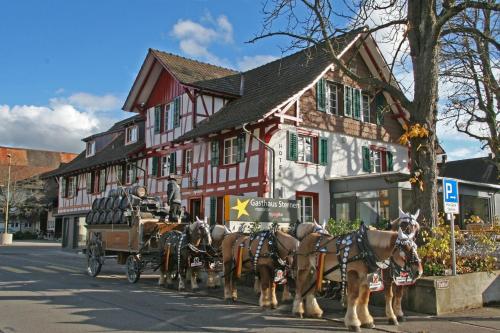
point(200, 232)
point(405, 251)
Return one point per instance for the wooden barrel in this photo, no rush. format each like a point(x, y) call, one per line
point(102, 204)
point(138, 191)
point(109, 203)
point(134, 201)
point(95, 217)
point(89, 217)
point(116, 202)
point(109, 217)
point(118, 217)
point(102, 217)
point(96, 203)
point(117, 192)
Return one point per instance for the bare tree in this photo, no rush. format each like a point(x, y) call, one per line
point(470, 68)
point(420, 24)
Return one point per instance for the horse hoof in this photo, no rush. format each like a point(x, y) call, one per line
point(229, 301)
point(401, 319)
point(234, 299)
point(393, 321)
point(299, 315)
point(274, 306)
point(354, 328)
point(315, 315)
point(368, 325)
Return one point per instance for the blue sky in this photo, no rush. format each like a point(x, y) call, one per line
point(67, 66)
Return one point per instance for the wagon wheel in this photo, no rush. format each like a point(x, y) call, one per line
point(95, 258)
point(133, 268)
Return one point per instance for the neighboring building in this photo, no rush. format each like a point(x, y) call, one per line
point(31, 197)
point(111, 159)
point(331, 135)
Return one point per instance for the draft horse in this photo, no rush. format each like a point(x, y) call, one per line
point(183, 252)
point(349, 259)
point(265, 253)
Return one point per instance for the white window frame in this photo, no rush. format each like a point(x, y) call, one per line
point(230, 150)
point(188, 160)
point(131, 134)
point(71, 186)
point(305, 150)
point(375, 161)
point(164, 166)
point(329, 106)
point(90, 149)
point(365, 108)
point(303, 207)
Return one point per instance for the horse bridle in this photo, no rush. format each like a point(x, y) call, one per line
point(406, 244)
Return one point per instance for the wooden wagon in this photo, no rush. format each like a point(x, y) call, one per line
point(135, 241)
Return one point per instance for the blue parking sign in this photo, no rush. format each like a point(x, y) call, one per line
point(450, 196)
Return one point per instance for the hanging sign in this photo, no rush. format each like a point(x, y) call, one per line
point(252, 209)
point(375, 281)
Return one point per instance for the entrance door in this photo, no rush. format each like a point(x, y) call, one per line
point(195, 208)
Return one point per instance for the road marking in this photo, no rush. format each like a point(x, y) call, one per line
point(14, 270)
point(63, 269)
point(40, 269)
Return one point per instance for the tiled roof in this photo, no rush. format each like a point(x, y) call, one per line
point(480, 170)
point(200, 74)
point(114, 152)
point(267, 86)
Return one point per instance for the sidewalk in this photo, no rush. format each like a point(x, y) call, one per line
point(485, 319)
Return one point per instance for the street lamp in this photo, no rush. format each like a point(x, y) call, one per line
point(6, 238)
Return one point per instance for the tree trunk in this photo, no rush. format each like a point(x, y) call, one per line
point(424, 53)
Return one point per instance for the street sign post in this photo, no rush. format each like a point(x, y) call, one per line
point(451, 206)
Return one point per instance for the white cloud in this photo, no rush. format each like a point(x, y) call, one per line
point(59, 126)
point(249, 62)
point(465, 153)
point(89, 102)
point(195, 39)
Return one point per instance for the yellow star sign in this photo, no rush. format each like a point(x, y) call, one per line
point(241, 207)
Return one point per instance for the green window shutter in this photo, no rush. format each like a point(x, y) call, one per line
point(154, 164)
point(390, 161)
point(292, 146)
point(323, 151)
point(214, 153)
point(89, 182)
point(357, 103)
point(177, 112)
point(379, 107)
point(173, 163)
point(213, 210)
point(157, 119)
point(347, 101)
point(241, 148)
point(321, 95)
point(366, 159)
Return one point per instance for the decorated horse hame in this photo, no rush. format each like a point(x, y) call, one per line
point(183, 252)
point(269, 254)
point(349, 259)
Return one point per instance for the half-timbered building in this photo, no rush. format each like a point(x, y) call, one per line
point(295, 128)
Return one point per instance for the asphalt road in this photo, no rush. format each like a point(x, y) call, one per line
point(44, 289)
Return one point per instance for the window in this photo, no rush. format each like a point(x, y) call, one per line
point(172, 167)
point(71, 188)
point(305, 148)
point(377, 159)
point(119, 174)
point(347, 101)
point(306, 209)
point(90, 182)
point(230, 151)
point(188, 159)
point(365, 107)
point(165, 117)
point(131, 134)
point(102, 180)
point(158, 116)
point(131, 173)
point(90, 151)
point(164, 166)
point(331, 102)
point(214, 153)
point(352, 102)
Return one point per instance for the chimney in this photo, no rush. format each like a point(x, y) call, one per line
point(242, 84)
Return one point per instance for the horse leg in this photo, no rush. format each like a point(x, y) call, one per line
point(398, 296)
point(300, 286)
point(274, 300)
point(228, 277)
point(161, 281)
point(286, 295)
point(312, 307)
point(256, 285)
point(388, 295)
point(363, 312)
point(265, 299)
point(351, 320)
point(194, 281)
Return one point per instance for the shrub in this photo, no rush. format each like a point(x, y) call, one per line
point(474, 251)
point(340, 227)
